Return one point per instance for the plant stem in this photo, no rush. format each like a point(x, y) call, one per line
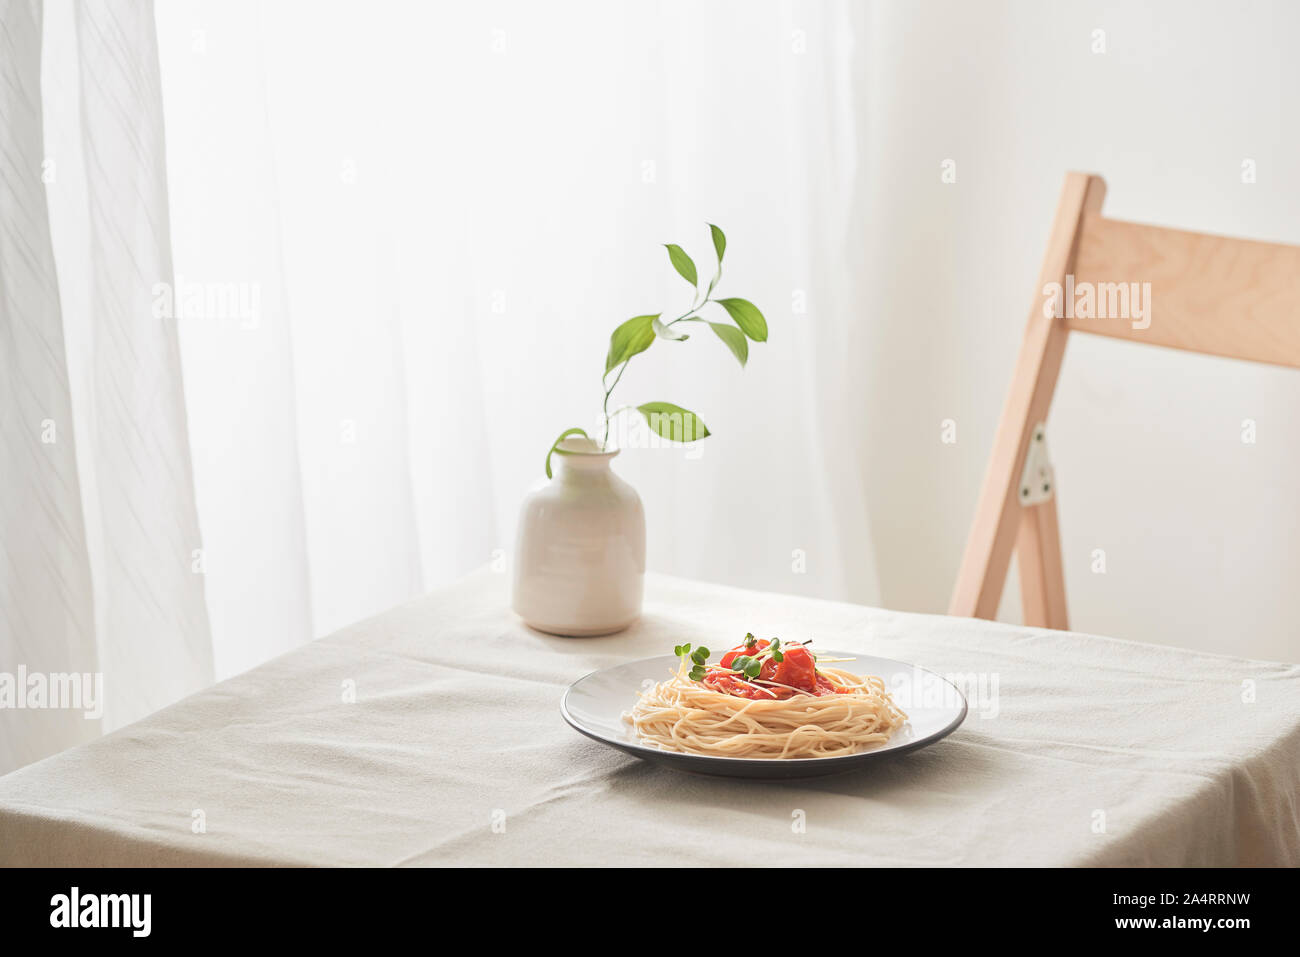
point(604, 406)
point(611, 417)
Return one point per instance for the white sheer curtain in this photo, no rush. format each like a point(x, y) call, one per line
point(402, 233)
point(99, 527)
point(46, 613)
point(435, 214)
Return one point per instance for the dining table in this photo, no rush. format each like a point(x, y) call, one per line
point(431, 734)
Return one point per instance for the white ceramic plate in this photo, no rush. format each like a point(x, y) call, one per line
point(595, 703)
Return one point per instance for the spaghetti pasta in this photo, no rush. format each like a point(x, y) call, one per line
point(834, 712)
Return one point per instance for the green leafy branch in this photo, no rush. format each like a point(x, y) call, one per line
point(639, 333)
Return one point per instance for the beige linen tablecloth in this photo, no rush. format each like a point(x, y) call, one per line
point(1086, 750)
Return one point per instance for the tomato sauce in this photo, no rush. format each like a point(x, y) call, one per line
point(798, 671)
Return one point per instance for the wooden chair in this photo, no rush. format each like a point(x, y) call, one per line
point(1209, 294)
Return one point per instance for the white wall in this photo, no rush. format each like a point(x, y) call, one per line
point(1199, 530)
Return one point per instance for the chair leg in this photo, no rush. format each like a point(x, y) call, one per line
point(1042, 576)
point(998, 516)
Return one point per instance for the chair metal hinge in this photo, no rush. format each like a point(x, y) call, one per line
point(1037, 481)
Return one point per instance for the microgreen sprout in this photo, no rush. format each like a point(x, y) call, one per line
point(748, 665)
point(751, 665)
point(698, 657)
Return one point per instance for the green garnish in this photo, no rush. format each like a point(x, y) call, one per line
point(698, 657)
point(749, 665)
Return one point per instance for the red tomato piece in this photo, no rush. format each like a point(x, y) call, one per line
point(740, 650)
point(798, 670)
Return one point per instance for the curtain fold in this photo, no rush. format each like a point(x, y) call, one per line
point(153, 636)
point(101, 561)
point(46, 608)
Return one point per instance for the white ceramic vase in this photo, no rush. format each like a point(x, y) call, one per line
point(579, 564)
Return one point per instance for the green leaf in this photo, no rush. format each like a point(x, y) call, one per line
point(563, 435)
point(746, 315)
point(634, 336)
point(686, 648)
point(683, 263)
point(667, 332)
point(733, 339)
point(753, 669)
point(719, 247)
point(673, 422)
point(704, 651)
point(719, 242)
point(778, 657)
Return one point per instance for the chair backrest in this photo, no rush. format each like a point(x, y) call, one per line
point(1225, 297)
